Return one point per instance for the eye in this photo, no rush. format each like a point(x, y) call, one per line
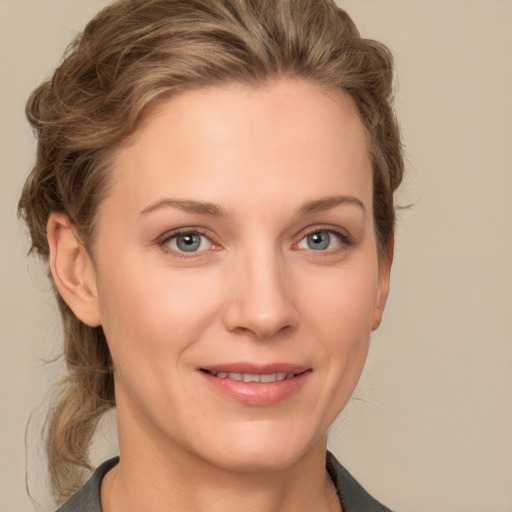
point(188, 242)
point(320, 240)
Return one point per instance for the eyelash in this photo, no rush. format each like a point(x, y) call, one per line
point(164, 240)
point(344, 239)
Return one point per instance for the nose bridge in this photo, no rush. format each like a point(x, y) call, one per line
point(262, 292)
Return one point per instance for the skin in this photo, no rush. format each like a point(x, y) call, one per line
point(271, 160)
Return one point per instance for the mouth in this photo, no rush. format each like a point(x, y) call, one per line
point(256, 385)
point(252, 377)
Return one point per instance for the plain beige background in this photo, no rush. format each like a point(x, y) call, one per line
point(430, 428)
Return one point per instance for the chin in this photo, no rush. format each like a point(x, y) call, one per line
point(262, 449)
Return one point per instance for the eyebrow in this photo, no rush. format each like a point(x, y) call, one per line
point(206, 208)
point(326, 203)
point(201, 207)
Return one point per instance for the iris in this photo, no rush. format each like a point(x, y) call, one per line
point(189, 242)
point(319, 240)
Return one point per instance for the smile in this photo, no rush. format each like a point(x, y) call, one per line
point(255, 385)
point(253, 377)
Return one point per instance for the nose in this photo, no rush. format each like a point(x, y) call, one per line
point(262, 297)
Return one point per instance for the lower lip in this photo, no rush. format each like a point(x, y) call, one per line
point(257, 393)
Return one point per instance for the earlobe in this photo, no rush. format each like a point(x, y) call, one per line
point(383, 283)
point(72, 269)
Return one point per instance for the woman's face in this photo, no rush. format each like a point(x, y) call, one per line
point(237, 272)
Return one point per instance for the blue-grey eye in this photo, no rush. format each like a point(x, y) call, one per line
point(188, 242)
point(319, 241)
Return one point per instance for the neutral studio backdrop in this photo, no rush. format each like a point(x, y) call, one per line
point(431, 429)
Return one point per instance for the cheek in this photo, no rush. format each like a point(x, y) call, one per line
point(153, 309)
point(343, 301)
point(341, 316)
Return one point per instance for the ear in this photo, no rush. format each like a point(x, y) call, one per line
point(383, 282)
point(72, 269)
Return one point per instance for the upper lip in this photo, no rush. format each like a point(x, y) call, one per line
point(256, 369)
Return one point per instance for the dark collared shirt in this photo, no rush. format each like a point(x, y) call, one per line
point(353, 497)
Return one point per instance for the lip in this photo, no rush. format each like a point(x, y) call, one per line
point(256, 393)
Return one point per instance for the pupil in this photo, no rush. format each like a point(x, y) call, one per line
point(319, 241)
point(188, 243)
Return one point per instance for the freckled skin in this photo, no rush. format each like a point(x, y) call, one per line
point(255, 292)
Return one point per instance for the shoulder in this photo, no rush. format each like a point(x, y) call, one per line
point(353, 497)
point(87, 498)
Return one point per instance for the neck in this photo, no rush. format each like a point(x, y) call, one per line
point(151, 478)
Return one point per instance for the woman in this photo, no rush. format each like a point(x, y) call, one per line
point(213, 192)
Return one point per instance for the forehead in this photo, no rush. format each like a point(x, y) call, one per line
point(246, 142)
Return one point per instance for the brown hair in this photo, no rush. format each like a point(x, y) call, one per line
point(133, 53)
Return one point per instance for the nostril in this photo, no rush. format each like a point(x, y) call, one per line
point(262, 301)
point(265, 331)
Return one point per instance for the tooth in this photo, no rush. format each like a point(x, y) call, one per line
point(249, 377)
point(269, 377)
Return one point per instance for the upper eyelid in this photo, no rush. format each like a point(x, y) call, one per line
point(164, 237)
point(337, 230)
